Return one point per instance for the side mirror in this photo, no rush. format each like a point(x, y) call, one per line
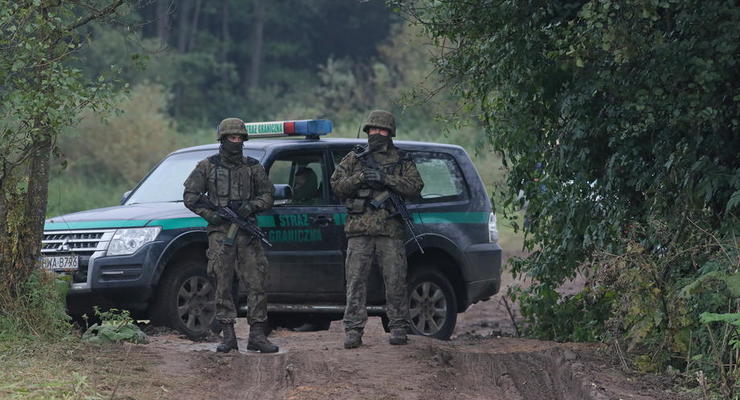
point(125, 196)
point(283, 195)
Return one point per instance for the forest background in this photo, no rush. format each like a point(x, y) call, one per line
point(617, 124)
point(191, 63)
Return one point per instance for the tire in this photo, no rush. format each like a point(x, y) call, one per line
point(432, 304)
point(185, 300)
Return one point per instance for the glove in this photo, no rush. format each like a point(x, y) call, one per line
point(245, 210)
point(373, 176)
point(213, 218)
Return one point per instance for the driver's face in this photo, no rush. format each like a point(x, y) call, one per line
point(300, 181)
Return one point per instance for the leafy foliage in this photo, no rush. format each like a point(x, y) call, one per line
point(619, 124)
point(116, 326)
point(40, 95)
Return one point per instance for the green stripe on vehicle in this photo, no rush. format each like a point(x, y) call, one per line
point(451, 218)
point(340, 218)
point(179, 223)
point(435, 218)
point(264, 221)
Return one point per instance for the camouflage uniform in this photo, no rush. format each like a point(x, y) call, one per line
point(373, 233)
point(222, 181)
point(230, 179)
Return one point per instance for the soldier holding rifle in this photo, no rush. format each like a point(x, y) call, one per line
point(227, 190)
point(364, 181)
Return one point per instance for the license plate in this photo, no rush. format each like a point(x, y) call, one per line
point(60, 263)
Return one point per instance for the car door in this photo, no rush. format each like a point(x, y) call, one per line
point(305, 232)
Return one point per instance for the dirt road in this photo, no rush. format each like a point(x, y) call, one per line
point(476, 364)
point(313, 365)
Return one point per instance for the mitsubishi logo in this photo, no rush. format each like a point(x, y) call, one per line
point(64, 247)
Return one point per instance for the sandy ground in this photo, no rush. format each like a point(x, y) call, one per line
point(482, 361)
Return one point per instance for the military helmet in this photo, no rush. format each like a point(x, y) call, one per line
point(231, 126)
point(380, 119)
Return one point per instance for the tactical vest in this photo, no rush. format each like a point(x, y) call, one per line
point(366, 193)
point(230, 183)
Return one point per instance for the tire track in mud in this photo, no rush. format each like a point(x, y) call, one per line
point(315, 366)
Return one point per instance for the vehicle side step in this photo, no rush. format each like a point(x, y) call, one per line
point(315, 309)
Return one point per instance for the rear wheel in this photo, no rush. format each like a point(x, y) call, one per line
point(186, 299)
point(432, 304)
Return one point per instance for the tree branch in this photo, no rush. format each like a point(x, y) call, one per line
point(96, 15)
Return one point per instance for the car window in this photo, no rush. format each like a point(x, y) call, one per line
point(165, 182)
point(305, 175)
point(443, 180)
point(338, 154)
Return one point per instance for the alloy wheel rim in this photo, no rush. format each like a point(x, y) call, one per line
point(427, 308)
point(195, 303)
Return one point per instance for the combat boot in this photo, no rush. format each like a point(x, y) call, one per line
point(352, 339)
point(229, 342)
point(398, 336)
point(258, 341)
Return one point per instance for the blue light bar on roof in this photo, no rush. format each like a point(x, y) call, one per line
point(307, 127)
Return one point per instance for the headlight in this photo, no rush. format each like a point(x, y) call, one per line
point(492, 229)
point(127, 241)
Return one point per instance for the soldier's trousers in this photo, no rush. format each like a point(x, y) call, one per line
point(391, 257)
point(247, 259)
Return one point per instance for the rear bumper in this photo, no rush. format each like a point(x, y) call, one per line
point(482, 290)
point(483, 271)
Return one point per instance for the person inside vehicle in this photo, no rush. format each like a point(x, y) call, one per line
point(306, 187)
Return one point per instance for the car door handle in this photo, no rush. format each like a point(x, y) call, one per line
point(322, 220)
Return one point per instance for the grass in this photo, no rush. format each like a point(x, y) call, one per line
point(42, 356)
point(40, 369)
point(64, 369)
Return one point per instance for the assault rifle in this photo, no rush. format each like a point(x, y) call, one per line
point(237, 222)
point(389, 196)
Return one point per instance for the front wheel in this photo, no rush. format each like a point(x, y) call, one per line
point(432, 304)
point(185, 300)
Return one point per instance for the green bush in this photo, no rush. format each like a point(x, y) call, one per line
point(39, 313)
point(619, 124)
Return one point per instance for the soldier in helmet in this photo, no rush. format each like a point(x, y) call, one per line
point(231, 179)
point(375, 233)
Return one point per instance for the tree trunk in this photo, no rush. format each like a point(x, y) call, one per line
point(163, 21)
point(38, 190)
point(253, 73)
point(17, 243)
point(182, 25)
point(24, 190)
point(194, 26)
point(224, 39)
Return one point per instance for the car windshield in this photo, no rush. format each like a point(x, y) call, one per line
point(165, 183)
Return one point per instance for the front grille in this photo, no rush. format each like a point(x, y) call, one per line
point(75, 242)
point(80, 243)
